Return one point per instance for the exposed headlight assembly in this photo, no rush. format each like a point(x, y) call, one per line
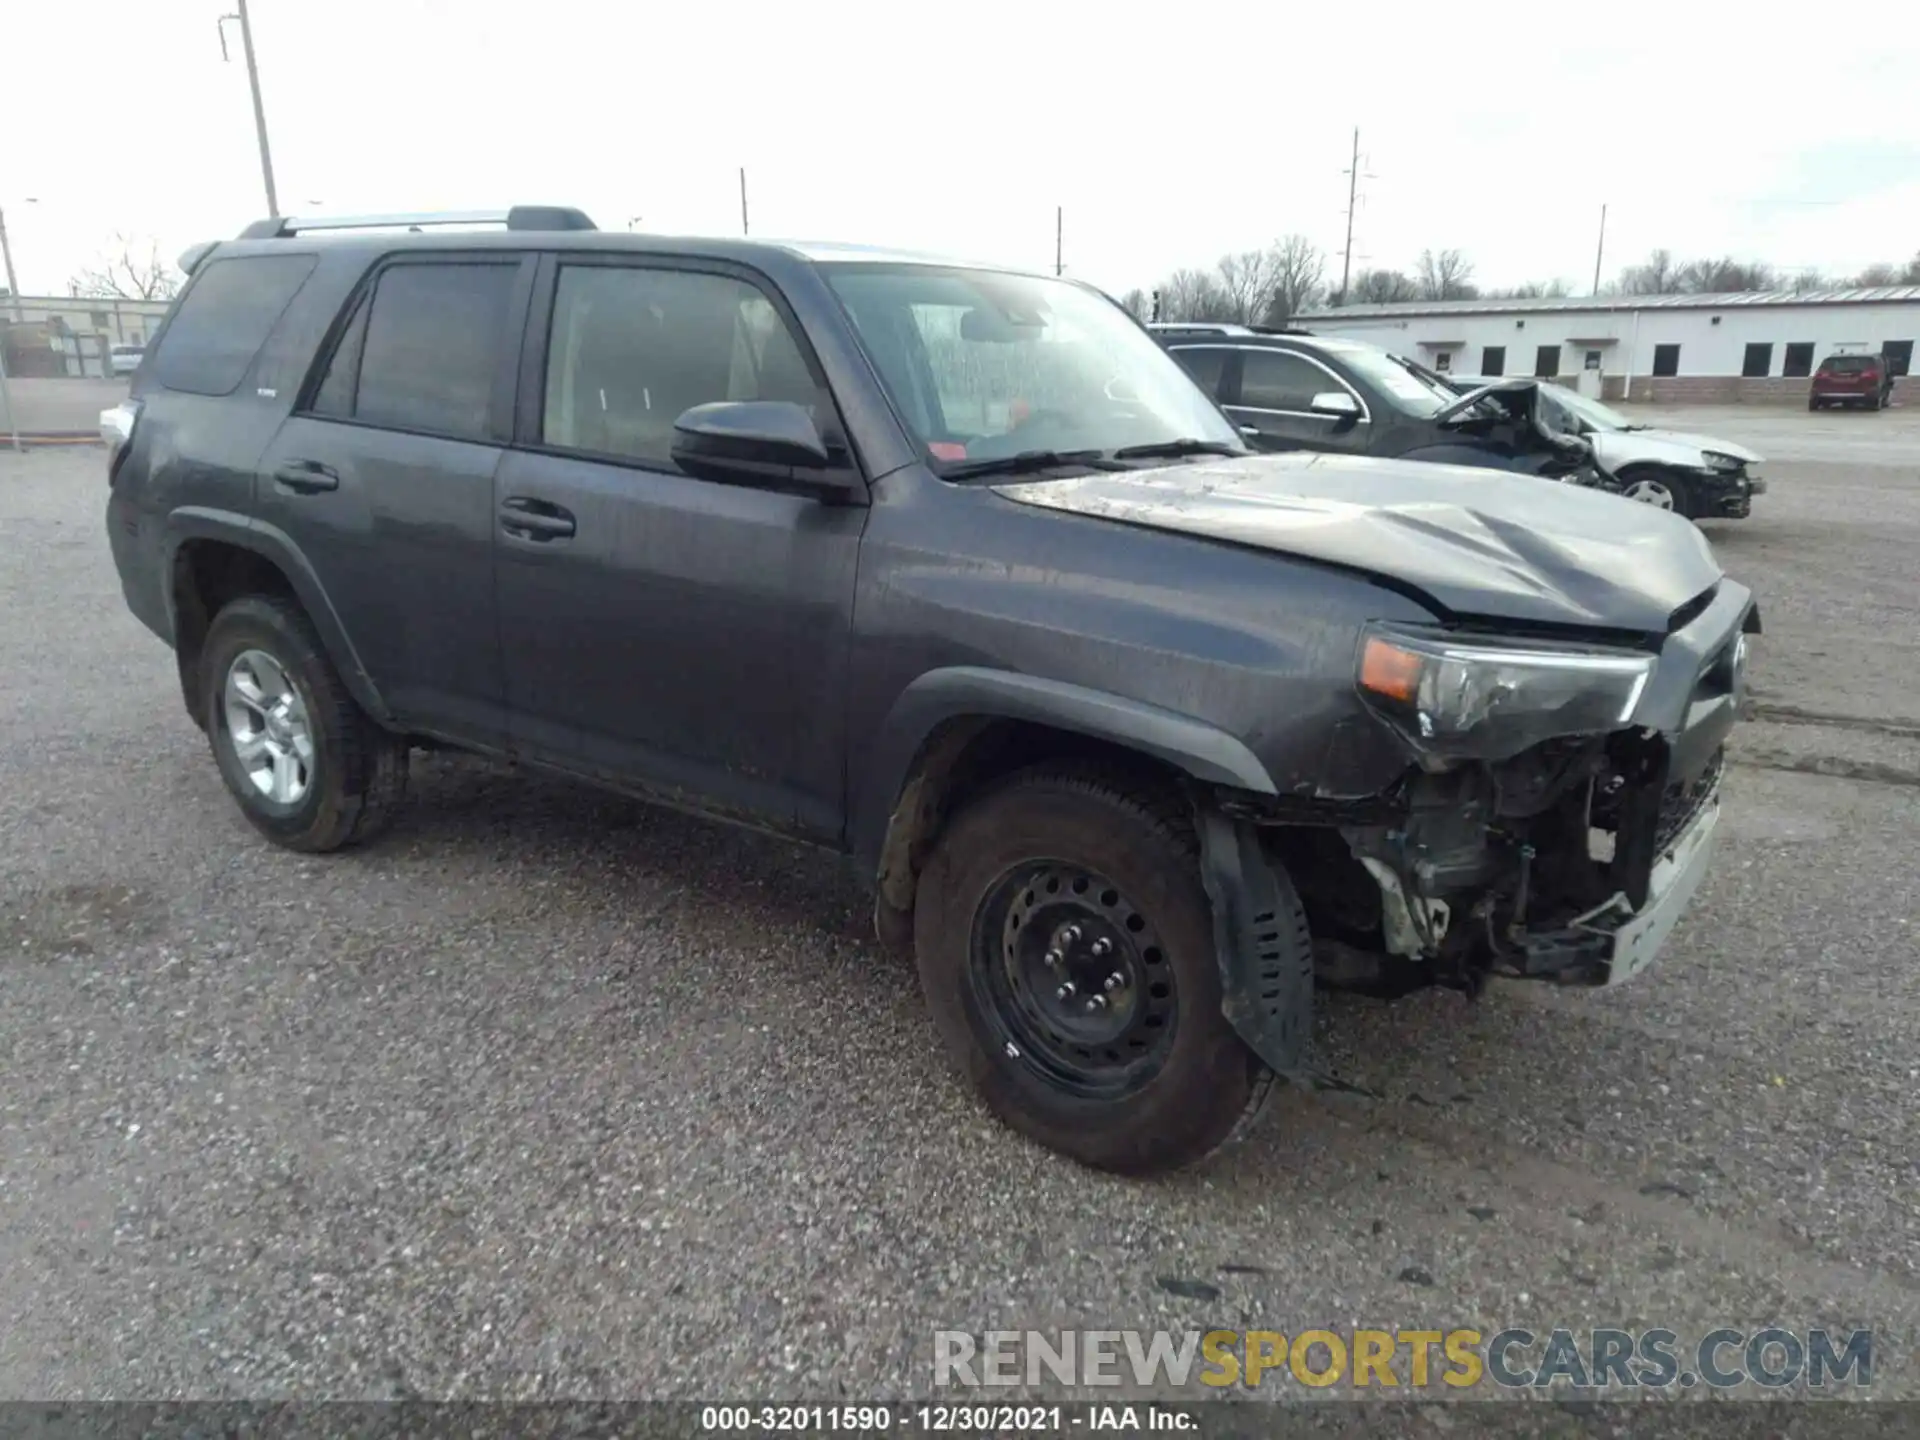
point(1726, 464)
point(1485, 699)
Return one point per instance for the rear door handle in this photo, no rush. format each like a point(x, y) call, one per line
point(306, 477)
point(531, 519)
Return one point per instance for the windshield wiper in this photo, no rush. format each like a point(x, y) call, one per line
point(1176, 448)
point(1027, 461)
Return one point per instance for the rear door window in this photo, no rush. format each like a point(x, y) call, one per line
point(224, 318)
point(423, 352)
point(1207, 364)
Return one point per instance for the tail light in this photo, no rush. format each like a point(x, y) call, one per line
point(116, 433)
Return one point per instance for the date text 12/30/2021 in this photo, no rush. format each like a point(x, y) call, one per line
point(942, 1419)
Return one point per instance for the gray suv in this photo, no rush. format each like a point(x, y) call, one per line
point(1135, 734)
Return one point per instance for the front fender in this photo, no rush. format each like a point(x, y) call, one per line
point(193, 522)
point(1200, 750)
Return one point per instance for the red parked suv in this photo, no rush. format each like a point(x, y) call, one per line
point(1852, 380)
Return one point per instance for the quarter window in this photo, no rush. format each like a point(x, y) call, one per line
point(223, 320)
point(631, 350)
point(1276, 380)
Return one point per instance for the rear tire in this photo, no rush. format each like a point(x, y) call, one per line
point(309, 769)
point(1154, 1078)
point(1812, 404)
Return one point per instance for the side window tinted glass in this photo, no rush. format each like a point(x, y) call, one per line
point(1275, 380)
point(335, 395)
point(434, 335)
point(224, 319)
point(632, 349)
point(1206, 367)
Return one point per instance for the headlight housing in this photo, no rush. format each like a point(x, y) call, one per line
point(1488, 699)
point(1725, 464)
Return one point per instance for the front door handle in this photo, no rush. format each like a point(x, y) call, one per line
point(531, 519)
point(306, 477)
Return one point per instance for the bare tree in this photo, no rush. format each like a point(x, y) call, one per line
point(1725, 276)
point(1382, 287)
point(1298, 269)
point(1136, 304)
point(1194, 295)
point(1882, 274)
point(1247, 279)
point(1658, 274)
point(1532, 290)
point(1911, 275)
point(128, 270)
point(1444, 275)
point(1808, 280)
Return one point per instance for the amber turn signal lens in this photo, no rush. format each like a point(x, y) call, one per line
point(1388, 670)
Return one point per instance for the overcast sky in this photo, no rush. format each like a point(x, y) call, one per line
point(1168, 132)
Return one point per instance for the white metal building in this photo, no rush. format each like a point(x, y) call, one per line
point(1752, 346)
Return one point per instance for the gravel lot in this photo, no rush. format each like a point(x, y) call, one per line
point(550, 1094)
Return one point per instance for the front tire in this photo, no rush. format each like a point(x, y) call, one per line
point(309, 769)
point(1660, 488)
point(1065, 945)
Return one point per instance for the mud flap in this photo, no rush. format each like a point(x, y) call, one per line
point(1264, 948)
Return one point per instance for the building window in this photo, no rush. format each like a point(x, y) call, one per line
point(1493, 360)
point(1799, 360)
point(1899, 355)
point(101, 319)
point(1546, 361)
point(1758, 361)
point(1443, 362)
point(1666, 359)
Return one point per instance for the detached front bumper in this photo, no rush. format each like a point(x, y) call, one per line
point(1727, 497)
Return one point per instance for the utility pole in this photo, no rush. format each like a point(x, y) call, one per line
point(743, 200)
point(259, 110)
point(1353, 191)
point(13, 284)
point(1059, 233)
point(1600, 249)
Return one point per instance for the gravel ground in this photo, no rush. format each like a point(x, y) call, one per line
point(551, 1094)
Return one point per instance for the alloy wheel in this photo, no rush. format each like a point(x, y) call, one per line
point(268, 727)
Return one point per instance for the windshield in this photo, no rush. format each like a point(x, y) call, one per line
point(984, 365)
point(1600, 417)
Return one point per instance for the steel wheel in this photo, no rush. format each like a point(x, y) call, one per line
point(268, 727)
point(1656, 493)
point(1073, 980)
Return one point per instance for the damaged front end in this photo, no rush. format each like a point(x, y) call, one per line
point(1557, 813)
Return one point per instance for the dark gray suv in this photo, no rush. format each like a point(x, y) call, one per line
point(1134, 733)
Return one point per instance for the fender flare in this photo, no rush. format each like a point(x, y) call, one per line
point(1204, 752)
point(193, 522)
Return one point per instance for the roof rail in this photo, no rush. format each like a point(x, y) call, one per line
point(519, 217)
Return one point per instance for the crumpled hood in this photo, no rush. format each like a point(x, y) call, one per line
point(1617, 448)
point(1473, 542)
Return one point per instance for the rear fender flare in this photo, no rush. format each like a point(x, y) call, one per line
point(276, 546)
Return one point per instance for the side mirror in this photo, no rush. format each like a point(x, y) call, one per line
point(1335, 402)
point(771, 444)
